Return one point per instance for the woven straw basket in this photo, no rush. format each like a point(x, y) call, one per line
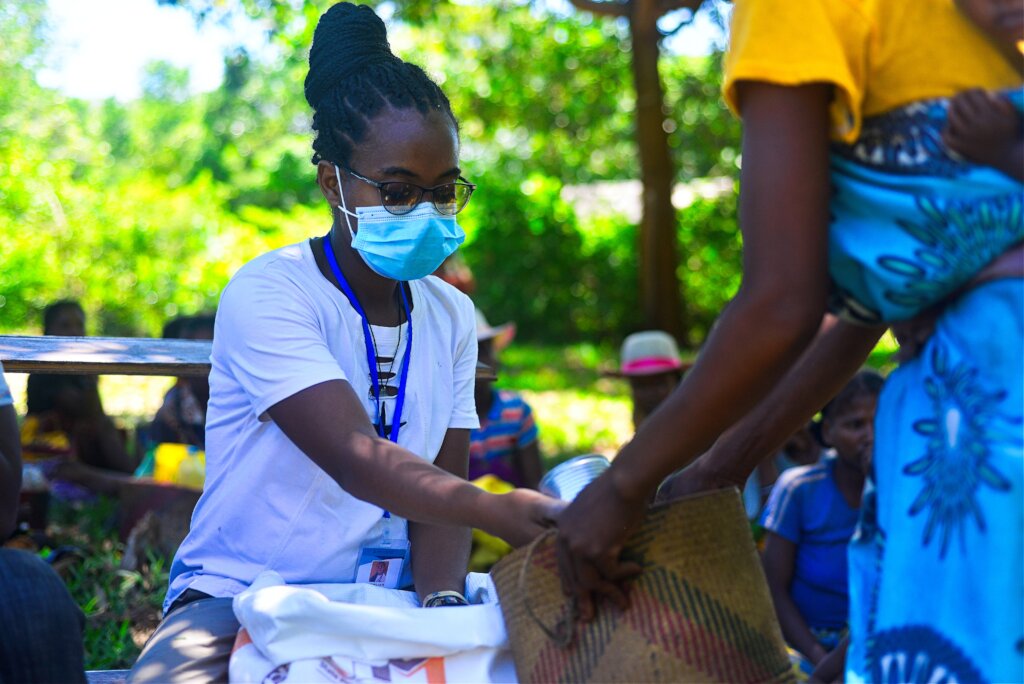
point(699, 612)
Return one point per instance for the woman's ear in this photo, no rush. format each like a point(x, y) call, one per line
point(327, 179)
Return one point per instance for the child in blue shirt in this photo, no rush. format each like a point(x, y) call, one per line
point(810, 518)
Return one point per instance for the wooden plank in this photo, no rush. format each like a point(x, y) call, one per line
point(117, 356)
point(104, 355)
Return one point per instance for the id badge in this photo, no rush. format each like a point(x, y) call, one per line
point(383, 564)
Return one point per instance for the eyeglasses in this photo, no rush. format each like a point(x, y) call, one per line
point(399, 197)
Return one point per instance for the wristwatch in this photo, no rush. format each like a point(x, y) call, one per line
point(442, 599)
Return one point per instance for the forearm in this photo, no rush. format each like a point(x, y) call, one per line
point(831, 667)
point(327, 422)
point(794, 627)
point(97, 480)
point(783, 212)
point(836, 354)
point(382, 473)
point(440, 557)
point(99, 444)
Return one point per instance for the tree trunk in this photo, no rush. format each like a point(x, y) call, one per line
point(660, 292)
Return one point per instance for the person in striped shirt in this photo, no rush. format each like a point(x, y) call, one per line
point(505, 445)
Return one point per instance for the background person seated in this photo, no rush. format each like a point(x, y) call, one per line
point(802, 448)
point(809, 520)
point(182, 417)
point(505, 445)
point(66, 432)
point(651, 363)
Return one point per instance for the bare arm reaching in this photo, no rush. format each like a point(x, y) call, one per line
point(783, 215)
point(329, 424)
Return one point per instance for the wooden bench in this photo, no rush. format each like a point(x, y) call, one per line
point(104, 355)
point(118, 356)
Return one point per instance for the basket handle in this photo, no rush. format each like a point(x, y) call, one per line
point(563, 631)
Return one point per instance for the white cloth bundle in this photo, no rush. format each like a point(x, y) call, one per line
point(365, 633)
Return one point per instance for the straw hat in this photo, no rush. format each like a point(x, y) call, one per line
point(650, 352)
point(501, 334)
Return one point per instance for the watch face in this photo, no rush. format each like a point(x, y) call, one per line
point(446, 600)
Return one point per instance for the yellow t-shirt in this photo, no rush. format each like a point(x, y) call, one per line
point(41, 441)
point(879, 54)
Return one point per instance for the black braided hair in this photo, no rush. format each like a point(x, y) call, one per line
point(353, 76)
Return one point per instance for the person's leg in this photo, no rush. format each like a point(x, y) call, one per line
point(40, 625)
point(192, 644)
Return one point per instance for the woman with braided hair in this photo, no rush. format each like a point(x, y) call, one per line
point(341, 388)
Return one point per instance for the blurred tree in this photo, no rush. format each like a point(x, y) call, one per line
point(542, 91)
point(661, 296)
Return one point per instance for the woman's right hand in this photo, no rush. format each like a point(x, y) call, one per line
point(591, 534)
point(521, 515)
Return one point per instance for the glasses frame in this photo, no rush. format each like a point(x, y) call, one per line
point(381, 184)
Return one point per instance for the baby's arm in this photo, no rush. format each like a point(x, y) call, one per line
point(985, 128)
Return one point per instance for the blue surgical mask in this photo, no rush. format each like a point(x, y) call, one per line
point(406, 247)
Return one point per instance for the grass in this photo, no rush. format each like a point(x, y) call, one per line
point(578, 409)
point(122, 607)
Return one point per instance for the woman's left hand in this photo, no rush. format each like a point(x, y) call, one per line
point(591, 534)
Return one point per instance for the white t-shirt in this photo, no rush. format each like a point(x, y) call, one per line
point(283, 327)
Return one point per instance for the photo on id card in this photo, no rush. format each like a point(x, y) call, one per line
point(382, 565)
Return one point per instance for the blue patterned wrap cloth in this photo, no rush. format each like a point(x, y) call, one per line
point(937, 560)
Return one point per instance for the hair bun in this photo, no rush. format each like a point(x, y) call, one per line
point(348, 38)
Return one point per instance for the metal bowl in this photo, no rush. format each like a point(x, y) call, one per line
point(570, 477)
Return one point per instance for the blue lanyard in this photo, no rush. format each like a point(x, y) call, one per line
point(371, 353)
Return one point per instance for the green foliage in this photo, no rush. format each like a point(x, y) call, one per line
point(144, 209)
point(121, 607)
point(711, 251)
point(536, 92)
point(578, 408)
point(563, 281)
point(534, 265)
point(704, 137)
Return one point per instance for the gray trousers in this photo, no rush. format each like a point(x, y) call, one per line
point(192, 644)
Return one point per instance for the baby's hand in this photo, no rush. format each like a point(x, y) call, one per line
point(985, 128)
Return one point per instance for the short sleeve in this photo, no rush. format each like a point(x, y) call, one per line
point(464, 367)
point(791, 43)
point(268, 338)
point(527, 427)
point(782, 513)
point(5, 392)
